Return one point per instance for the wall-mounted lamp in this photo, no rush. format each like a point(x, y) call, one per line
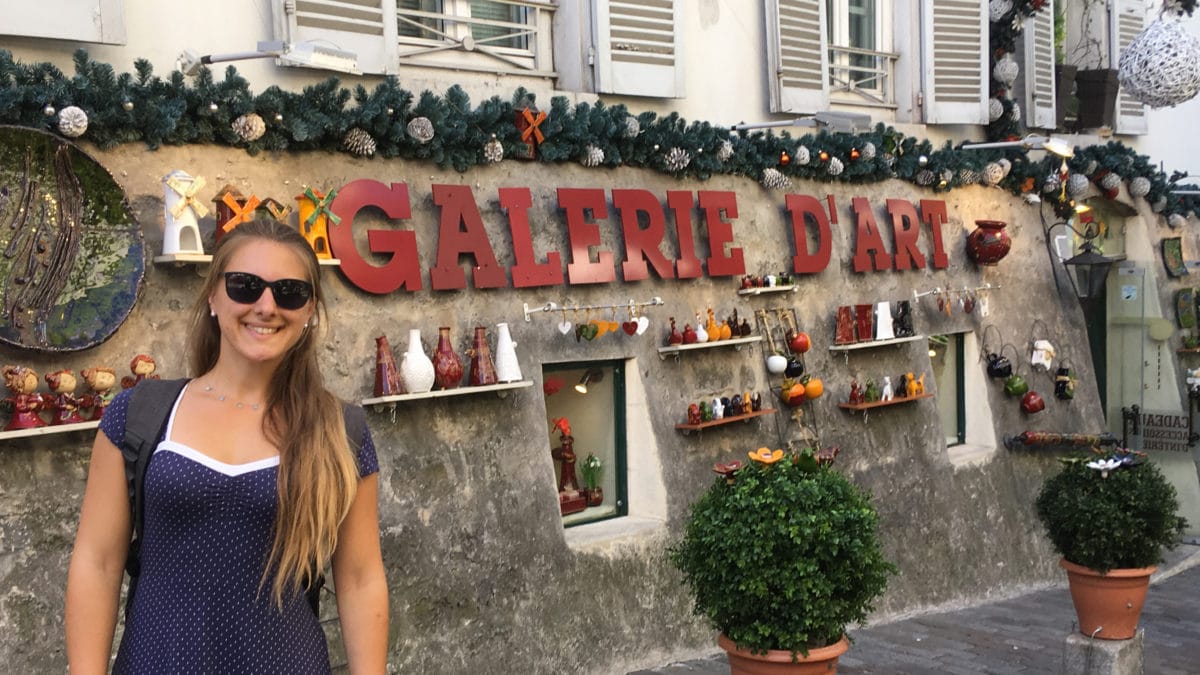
point(1054, 146)
point(592, 375)
point(837, 122)
point(1090, 268)
point(308, 55)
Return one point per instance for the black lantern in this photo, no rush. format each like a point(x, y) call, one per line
point(1090, 268)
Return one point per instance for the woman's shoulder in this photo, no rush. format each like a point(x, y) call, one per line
point(112, 423)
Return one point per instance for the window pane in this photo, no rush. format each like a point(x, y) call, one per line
point(498, 11)
point(945, 355)
point(427, 26)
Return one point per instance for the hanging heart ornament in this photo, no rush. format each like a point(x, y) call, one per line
point(630, 327)
point(565, 327)
point(643, 324)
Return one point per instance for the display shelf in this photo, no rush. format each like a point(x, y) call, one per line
point(736, 343)
point(724, 420)
point(1188, 350)
point(760, 290)
point(874, 343)
point(882, 404)
point(54, 429)
point(204, 259)
point(441, 393)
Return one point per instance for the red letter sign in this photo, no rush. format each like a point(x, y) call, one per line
point(933, 212)
point(806, 209)
point(867, 238)
point(584, 234)
point(404, 269)
point(458, 209)
point(527, 272)
point(905, 229)
point(688, 265)
point(642, 245)
point(720, 233)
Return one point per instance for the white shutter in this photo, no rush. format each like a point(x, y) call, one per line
point(954, 51)
point(101, 21)
point(365, 27)
point(798, 56)
point(639, 50)
point(1039, 68)
point(1129, 17)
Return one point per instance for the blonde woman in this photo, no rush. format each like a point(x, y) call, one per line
point(252, 488)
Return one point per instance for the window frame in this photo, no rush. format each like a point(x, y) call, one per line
point(956, 342)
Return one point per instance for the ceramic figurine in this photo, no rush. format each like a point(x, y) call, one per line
point(181, 232)
point(706, 413)
point(1064, 383)
point(387, 375)
point(746, 402)
point(102, 381)
point(570, 499)
point(701, 332)
point(844, 329)
point(728, 405)
point(871, 393)
point(883, 321)
point(726, 330)
point(232, 209)
point(142, 366)
point(416, 369)
point(718, 410)
point(508, 369)
point(674, 337)
point(1043, 354)
point(864, 322)
point(735, 406)
point(689, 334)
point(713, 328)
point(902, 323)
point(22, 383)
point(693, 414)
point(66, 406)
point(315, 214)
point(887, 394)
point(856, 393)
point(910, 385)
point(756, 402)
point(902, 390)
point(447, 366)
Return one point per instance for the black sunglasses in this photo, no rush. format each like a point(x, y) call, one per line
point(246, 288)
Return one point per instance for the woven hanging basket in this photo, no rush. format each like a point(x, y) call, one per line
point(1161, 65)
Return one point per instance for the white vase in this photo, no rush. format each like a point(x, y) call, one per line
point(416, 370)
point(507, 367)
point(883, 321)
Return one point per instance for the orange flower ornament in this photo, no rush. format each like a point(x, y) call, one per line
point(766, 456)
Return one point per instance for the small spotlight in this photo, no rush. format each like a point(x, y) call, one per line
point(592, 375)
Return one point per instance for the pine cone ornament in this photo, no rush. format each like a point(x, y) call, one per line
point(72, 121)
point(420, 129)
point(1077, 185)
point(1176, 221)
point(725, 151)
point(772, 179)
point(249, 127)
point(969, 176)
point(1110, 181)
point(1005, 165)
point(993, 173)
point(1091, 167)
point(995, 109)
point(1014, 113)
point(493, 150)
point(1139, 187)
point(835, 167)
point(1052, 184)
point(632, 127)
point(1005, 71)
point(677, 159)
point(924, 177)
point(359, 143)
point(868, 151)
point(592, 156)
point(803, 156)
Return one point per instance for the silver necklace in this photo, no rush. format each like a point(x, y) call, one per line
point(237, 404)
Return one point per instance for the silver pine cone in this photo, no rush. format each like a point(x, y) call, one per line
point(72, 121)
point(725, 151)
point(420, 129)
point(632, 127)
point(359, 143)
point(772, 179)
point(249, 127)
point(592, 156)
point(677, 159)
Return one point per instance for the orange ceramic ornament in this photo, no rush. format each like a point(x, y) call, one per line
point(814, 387)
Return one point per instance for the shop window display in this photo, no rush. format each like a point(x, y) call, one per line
point(585, 422)
point(946, 358)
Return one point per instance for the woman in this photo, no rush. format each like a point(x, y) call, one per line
point(252, 489)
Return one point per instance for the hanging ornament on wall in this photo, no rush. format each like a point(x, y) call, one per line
point(49, 110)
point(772, 179)
point(493, 150)
point(359, 143)
point(249, 127)
point(835, 166)
point(995, 109)
point(1053, 184)
point(1139, 187)
point(677, 159)
point(72, 121)
point(725, 151)
point(592, 156)
point(420, 129)
point(127, 105)
point(1109, 181)
point(993, 173)
point(784, 158)
point(1077, 185)
point(868, 151)
point(969, 176)
point(632, 127)
point(1176, 221)
point(1159, 204)
point(803, 156)
point(1161, 65)
point(998, 8)
point(1005, 71)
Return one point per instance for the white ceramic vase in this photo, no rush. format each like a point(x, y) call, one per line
point(507, 367)
point(883, 322)
point(416, 369)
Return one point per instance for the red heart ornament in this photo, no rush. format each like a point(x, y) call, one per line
point(630, 327)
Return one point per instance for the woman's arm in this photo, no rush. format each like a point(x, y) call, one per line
point(360, 583)
point(98, 561)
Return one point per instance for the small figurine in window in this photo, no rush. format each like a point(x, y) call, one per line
point(102, 381)
point(143, 368)
point(65, 405)
point(565, 453)
point(25, 400)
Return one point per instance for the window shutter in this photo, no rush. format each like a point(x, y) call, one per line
point(101, 21)
point(954, 51)
point(798, 55)
point(639, 47)
point(1039, 69)
point(365, 27)
point(1129, 18)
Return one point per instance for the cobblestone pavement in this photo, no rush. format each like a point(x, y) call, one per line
point(1023, 635)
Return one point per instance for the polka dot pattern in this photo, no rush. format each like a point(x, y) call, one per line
point(208, 530)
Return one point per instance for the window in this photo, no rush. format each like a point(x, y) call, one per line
point(961, 385)
point(585, 416)
point(101, 21)
point(853, 33)
point(946, 358)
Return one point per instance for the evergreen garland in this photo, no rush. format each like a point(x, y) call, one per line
point(128, 108)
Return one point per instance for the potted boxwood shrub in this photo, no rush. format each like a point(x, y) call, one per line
point(781, 555)
point(1111, 515)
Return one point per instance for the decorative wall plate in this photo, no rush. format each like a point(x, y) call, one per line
point(72, 254)
point(1172, 251)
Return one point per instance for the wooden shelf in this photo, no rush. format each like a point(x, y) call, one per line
point(54, 429)
point(204, 259)
point(440, 393)
point(736, 343)
point(881, 404)
point(760, 290)
point(874, 343)
point(725, 420)
point(1185, 350)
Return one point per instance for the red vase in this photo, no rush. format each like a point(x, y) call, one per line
point(483, 370)
point(387, 375)
point(447, 366)
point(989, 243)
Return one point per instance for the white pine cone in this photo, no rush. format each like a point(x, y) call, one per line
point(1052, 184)
point(420, 129)
point(1077, 185)
point(592, 156)
point(1005, 71)
point(924, 177)
point(995, 109)
point(969, 176)
point(359, 143)
point(493, 151)
point(993, 173)
point(1176, 221)
point(249, 127)
point(725, 151)
point(998, 8)
point(1091, 167)
point(835, 166)
point(772, 179)
point(1110, 181)
point(1015, 112)
point(72, 121)
point(677, 159)
point(632, 127)
point(868, 151)
point(803, 156)
point(1139, 187)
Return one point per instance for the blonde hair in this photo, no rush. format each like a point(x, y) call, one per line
point(318, 473)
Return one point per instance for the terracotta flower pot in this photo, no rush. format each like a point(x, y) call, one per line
point(988, 243)
point(820, 660)
point(1108, 605)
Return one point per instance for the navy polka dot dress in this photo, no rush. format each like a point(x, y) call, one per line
point(207, 532)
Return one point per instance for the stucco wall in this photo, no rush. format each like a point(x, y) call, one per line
point(481, 574)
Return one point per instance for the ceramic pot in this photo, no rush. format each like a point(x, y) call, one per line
point(776, 364)
point(998, 366)
point(689, 334)
point(1064, 384)
point(819, 660)
point(387, 376)
point(864, 322)
point(447, 366)
point(1032, 402)
point(988, 243)
point(595, 496)
point(1110, 603)
point(1015, 385)
point(416, 370)
point(508, 369)
point(483, 371)
point(795, 367)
